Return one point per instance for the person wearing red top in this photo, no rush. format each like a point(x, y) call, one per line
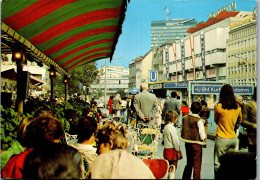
point(109, 106)
point(43, 130)
point(185, 110)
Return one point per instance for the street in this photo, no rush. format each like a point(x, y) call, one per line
point(207, 169)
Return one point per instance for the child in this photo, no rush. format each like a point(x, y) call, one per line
point(193, 134)
point(172, 151)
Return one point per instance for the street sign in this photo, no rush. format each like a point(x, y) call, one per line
point(153, 76)
point(215, 89)
point(175, 85)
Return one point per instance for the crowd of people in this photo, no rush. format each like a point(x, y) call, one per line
point(100, 151)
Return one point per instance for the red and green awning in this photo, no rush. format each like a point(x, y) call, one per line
point(69, 32)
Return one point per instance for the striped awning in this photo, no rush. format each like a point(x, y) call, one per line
point(65, 33)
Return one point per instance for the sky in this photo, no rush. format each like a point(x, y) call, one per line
point(135, 39)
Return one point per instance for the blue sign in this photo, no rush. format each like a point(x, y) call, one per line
point(215, 89)
point(175, 85)
point(153, 76)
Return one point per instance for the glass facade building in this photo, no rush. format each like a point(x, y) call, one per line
point(176, 32)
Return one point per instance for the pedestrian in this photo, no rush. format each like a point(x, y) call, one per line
point(249, 121)
point(110, 107)
point(145, 105)
point(226, 114)
point(193, 134)
point(93, 105)
point(123, 112)
point(117, 105)
point(172, 151)
point(158, 116)
point(204, 114)
point(171, 104)
point(185, 110)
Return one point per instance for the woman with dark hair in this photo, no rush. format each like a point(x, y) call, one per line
point(87, 127)
point(53, 161)
point(42, 131)
point(226, 113)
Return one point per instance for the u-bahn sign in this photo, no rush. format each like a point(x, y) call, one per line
point(153, 76)
point(215, 89)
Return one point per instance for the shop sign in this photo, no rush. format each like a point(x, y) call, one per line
point(176, 85)
point(215, 89)
point(156, 86)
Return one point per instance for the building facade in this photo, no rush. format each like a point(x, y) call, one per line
point(242, 51)
point(201, 55)
point(176, 32)
point(135, 72)
point(116, 79)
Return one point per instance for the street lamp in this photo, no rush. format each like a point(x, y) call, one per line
point(244, 61)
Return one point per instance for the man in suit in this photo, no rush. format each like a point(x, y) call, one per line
point(145, 105)
point(171, 104)
point(116, 101)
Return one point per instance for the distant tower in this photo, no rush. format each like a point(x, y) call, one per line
point(167, 12)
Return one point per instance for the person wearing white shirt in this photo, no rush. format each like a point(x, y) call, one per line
point(172, 151)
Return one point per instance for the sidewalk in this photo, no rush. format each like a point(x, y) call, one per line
point(207, 169)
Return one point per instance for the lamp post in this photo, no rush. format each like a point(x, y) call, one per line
point(65, 80)
point(155, 46)
point(19, 57)
point(244, 61)
point(52, 77)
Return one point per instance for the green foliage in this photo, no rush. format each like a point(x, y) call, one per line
point(121, 92)
point(10, 119)
point(86, 74)
point(9, 123)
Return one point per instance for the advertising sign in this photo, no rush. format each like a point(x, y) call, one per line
point(153, 76)
point(202, 44)
point(175, 85)
point(215, 89)
point(167, 63)
point(230, 7)
point(182, 59)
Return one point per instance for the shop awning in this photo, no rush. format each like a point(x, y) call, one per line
point(64, 33)
point(10, 74)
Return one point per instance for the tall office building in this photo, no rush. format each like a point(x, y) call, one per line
point(176, 32)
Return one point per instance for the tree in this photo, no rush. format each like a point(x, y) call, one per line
point(121, 92)
point(86, 74)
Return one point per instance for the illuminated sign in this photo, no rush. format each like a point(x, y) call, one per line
point(240, 22)
point(230, 7)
